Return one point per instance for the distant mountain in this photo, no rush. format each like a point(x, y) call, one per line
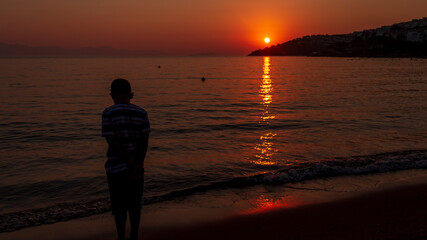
point(406, 39)
point(15, 50)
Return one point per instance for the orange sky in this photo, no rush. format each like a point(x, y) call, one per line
point(185, 27)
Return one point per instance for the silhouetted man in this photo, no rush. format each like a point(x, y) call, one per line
point(126, 128)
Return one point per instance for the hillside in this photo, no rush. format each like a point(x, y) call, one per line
point(406, 39)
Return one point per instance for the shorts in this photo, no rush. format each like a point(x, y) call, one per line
point(125, 192)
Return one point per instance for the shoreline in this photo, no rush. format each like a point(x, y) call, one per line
point(268, 211)
point(397, 213)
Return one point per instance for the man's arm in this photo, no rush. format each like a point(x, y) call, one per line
point(137, 162)
point(142, 147)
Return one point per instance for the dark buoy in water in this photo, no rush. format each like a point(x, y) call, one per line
point(203, 79)
point(158, 66)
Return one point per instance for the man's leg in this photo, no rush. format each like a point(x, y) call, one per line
point(135, 218)
point(135, 208)
point(116, 183)
point(120, 218)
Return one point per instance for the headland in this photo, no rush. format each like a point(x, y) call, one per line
point(405, 39)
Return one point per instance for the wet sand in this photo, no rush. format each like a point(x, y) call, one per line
point(398, 213)
point(379, 206)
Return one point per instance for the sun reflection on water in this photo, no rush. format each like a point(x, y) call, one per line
point(266, 90)
point(266, 150)
point(266, 147)
point(266, 202)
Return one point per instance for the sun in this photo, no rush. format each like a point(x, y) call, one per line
point(266, 40)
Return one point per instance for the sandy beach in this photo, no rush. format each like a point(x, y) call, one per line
point(398, 213)
point(379, 206)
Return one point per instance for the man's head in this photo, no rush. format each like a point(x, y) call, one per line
point(121, 91)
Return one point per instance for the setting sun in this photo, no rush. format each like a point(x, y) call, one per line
point(266, 40)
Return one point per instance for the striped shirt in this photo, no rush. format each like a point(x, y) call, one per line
point(126, 123)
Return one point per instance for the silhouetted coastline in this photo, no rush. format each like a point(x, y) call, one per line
point(407, 39)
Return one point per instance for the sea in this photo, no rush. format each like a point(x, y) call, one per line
point(252, 121)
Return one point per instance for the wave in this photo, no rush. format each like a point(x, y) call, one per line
point(252, 126)
point(379, 163)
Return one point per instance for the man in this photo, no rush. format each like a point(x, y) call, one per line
point(126, 128)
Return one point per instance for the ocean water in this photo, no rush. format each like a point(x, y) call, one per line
point(255, 120)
